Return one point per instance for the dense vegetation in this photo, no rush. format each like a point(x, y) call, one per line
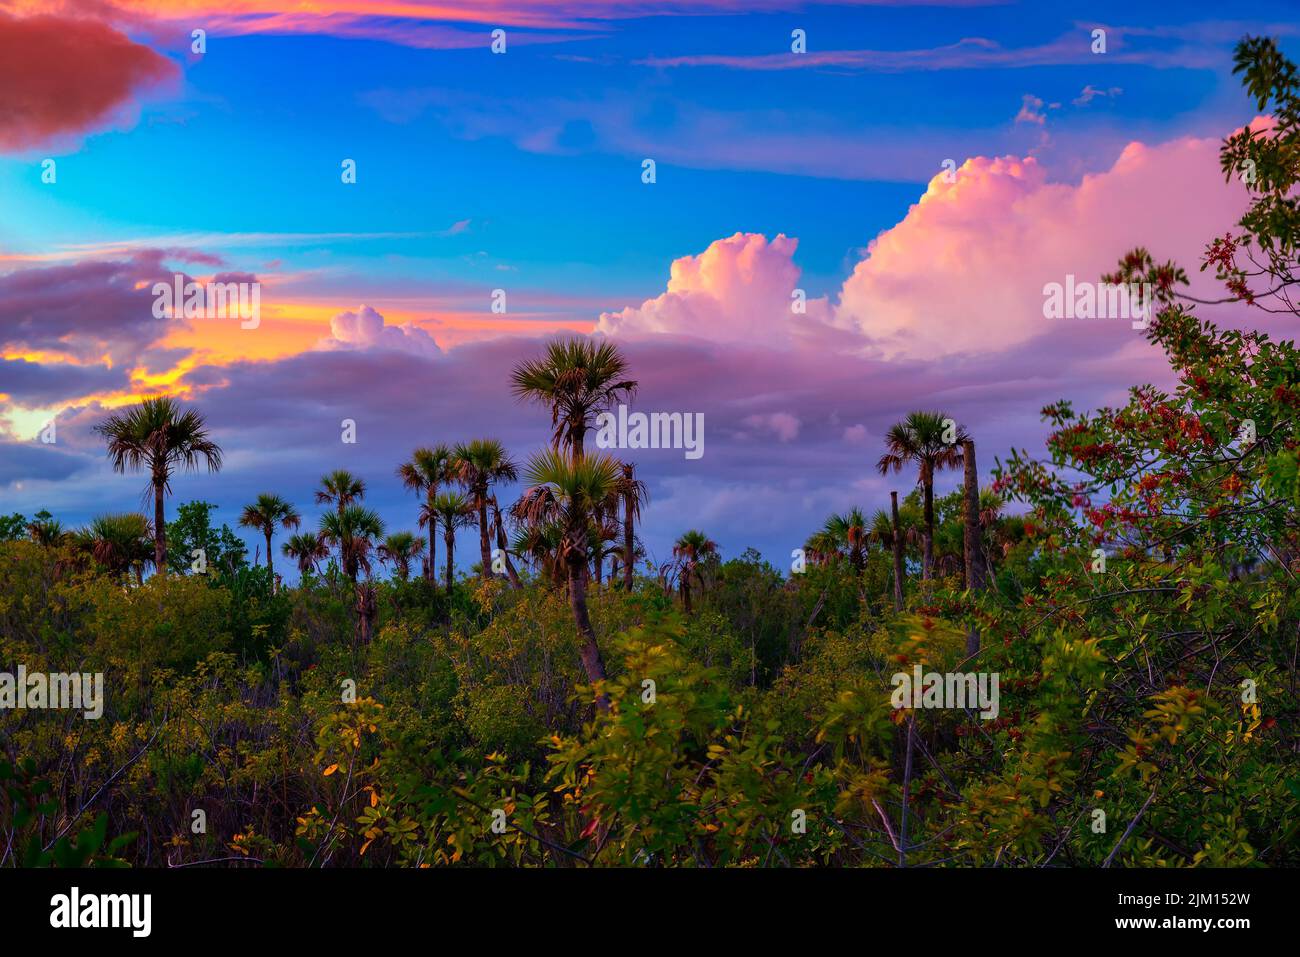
point(569, 705)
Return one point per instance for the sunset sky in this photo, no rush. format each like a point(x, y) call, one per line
point(522, 171)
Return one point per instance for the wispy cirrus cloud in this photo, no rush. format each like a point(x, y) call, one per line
point(1204, 49)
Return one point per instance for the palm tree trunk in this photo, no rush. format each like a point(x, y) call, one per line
point(628, 542)
point(269, 567)
point(449, 539)
point(159, 526)
point(483, 534)
point(927, 555)
point(898, 554)
point(590, 651)
point(432, 573)
point(686, 588)
point(504, 545)
point(975, 576)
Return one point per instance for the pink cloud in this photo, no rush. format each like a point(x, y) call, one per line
point(783, 425)
point(964, 271)
point(739, 289)
point(365, 329)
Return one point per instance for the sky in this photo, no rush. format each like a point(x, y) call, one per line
point(916, 174)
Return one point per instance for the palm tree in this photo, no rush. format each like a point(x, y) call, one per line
point(341, 489)
point(478, 465)
point(353, 530)
point(264, 514)
point(427, 470)
point(567, 492)
point(577, 379)
point(851, 530)
point(822, 546)
point(400, 548)
point(539, 545)
point(503, 544)
point(634, 494)
point(159, 436)
point(306, 548)
point(45, 530)
point(919, 440)
point(454, 510)
point(689, 549)
point(120, 543)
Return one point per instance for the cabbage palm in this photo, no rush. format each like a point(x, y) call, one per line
point(850, 529)
point(919, 440)
point(120, 543)
point(503, 544)
point(634, 495)
point(306, 548)
point(264, 514)
point(159, 436)
point(577, 379)
point(478, 465)
point(400, 548)
point(689, 550)
point(540, 546)
point(341, 489)
point(45, 530)
point(567, 492)
point(427, 471)
point(454, 510)
point(353, 529)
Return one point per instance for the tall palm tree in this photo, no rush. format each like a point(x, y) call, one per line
point(159, 436)
point(919, 440)
point(120, 543)
point(479, 465)
point(634, 494)
point(455, 511)
point(566, 492)
point(264, 514)
point(400, 548)
point(341, 489)
point(353, 529)
point(689, 549)
point(577, 379)
point(424, 474)
point(306, 548)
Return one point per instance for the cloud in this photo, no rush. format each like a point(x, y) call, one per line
point(33, 384)
point(1125, 45)
point(783, 425)
point(62, 76)
point(964, 271)
point(365, 329)
point(84, 311)
point(1031, 110)
point(739, 289)
point(33, 461)
point(1090, 93)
